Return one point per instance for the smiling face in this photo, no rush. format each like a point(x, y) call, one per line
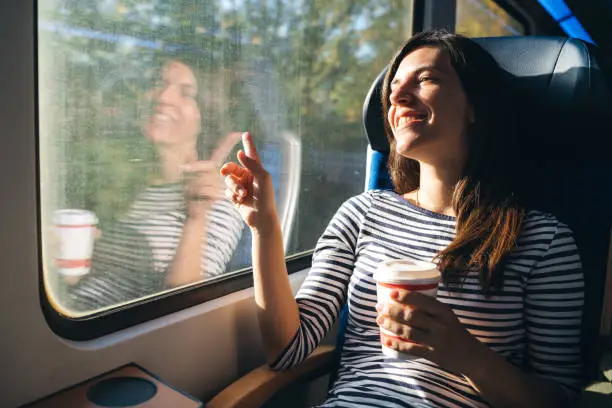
point(429, 111)
point(175, 118)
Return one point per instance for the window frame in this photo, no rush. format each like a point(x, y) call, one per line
point(513, 11)
point(109, 321)
point(435, 14)
point(105, 322)
point(516, 13)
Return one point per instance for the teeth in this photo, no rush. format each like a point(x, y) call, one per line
point(405, 120)
point(162, 117)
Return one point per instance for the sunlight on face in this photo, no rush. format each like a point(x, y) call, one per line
point(429, 111)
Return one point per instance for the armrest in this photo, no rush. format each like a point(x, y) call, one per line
point(258, 386)
point(599, 394)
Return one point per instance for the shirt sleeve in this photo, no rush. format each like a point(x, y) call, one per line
point(122, 270)
point(222, 235)
point(323, 293)
point(554, 303)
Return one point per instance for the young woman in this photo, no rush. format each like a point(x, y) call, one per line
point(180, 229)
point(504, 330)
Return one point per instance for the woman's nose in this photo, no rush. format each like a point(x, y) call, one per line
point(402, 95)
point(166, 95)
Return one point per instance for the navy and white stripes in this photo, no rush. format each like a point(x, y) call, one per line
point(534, 321)
point(132, 258)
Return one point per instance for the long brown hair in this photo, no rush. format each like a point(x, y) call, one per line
point(489, 214)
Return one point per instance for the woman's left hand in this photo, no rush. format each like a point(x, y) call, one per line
point(427, 328)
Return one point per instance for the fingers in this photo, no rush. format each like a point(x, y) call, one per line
point(414, 349)
point(234, 169)
point(225, 147)
point(202, 182)
point(249, 158)
point(420, 301)
point(204, 192)
point(249, 146)
point(253, 165)
point(201, 173)
point(236, 199)
point(234, 186)
point(231, 196)
point(250, 167)
point(402, 331)
point(406, 329)
point(397, 313)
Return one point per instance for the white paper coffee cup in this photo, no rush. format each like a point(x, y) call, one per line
point(408, 275)
point(75, 231)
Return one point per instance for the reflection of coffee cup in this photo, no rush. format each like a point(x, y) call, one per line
point(76, 231)
point(408, 275)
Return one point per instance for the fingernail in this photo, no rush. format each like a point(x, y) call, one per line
point(241, 192)
point(388, 343)
point(380, 320)
point(379, 306)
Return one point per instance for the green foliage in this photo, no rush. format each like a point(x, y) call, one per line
point(263, 65)
point(484, 18)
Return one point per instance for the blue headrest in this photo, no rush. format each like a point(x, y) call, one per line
point(564, 121)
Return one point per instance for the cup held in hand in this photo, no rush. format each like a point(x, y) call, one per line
point(75, 231)
point(408, 275)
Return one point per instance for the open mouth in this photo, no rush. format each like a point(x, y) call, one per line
point(161, 117)
point(410, 120)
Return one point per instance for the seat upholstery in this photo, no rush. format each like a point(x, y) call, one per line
point(564, 115)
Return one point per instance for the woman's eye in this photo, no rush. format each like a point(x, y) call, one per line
point(188, 92)
point(426, 79)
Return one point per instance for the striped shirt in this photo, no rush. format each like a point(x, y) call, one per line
point(533, 321)
point(132, 258)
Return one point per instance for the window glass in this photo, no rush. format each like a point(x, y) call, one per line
point(484, 18)
point(138, 102)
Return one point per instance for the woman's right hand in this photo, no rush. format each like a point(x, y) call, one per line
point(250, 188)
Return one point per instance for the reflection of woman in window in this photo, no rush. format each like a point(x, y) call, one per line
point(504, 329)
point(180, 229)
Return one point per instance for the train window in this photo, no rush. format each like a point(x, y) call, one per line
point(484, 18)
point(138, 104)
